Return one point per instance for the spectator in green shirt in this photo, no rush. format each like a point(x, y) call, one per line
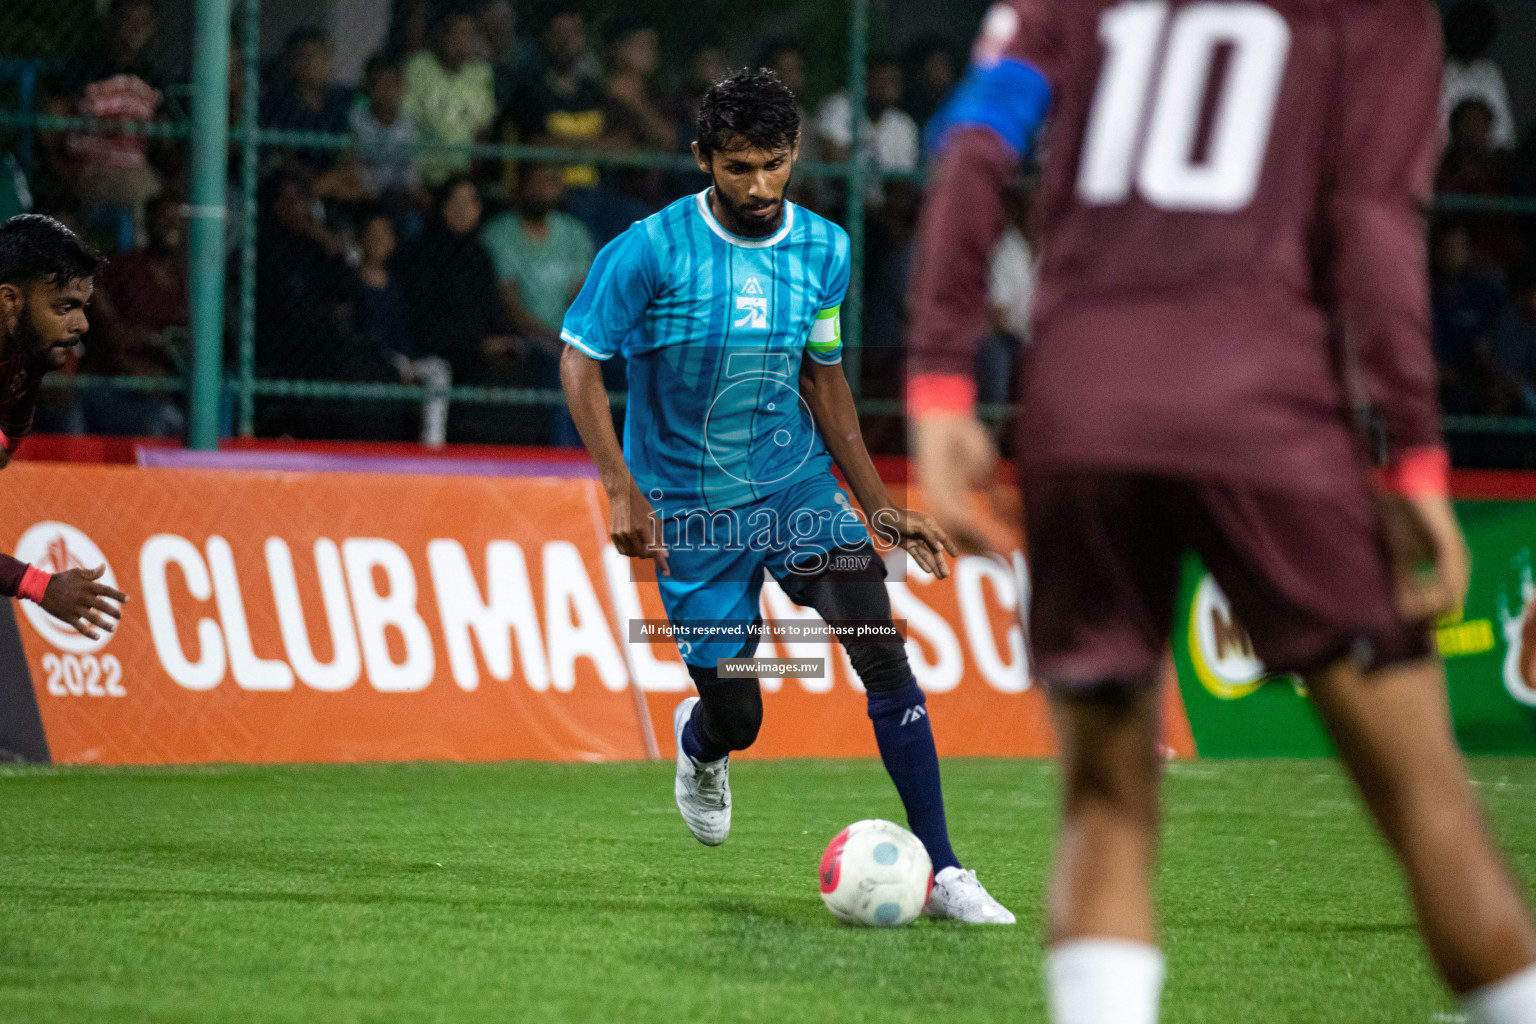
point(450, 94)
point(541, 256)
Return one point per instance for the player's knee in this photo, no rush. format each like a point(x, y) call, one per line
point(739, 730)
point(881, 666)
point(733, 712)
point(732, 708)
point(848, 583)
point(1111, 760)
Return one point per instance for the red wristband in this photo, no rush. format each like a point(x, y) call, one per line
point(940, 394)
point(1421, 473)
point(5, 442)
point(34, 583)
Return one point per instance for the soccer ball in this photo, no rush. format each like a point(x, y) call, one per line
point(877, 874)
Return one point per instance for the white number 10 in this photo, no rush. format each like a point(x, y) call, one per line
point(1167, 175)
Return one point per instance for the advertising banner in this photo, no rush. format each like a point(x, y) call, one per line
point(1237, 709)
point(356, 617)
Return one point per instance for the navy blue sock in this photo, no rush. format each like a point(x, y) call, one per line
point(694, 743)
point(906, 746)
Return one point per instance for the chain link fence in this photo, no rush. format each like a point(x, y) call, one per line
point(93, 129)
point(416, 188)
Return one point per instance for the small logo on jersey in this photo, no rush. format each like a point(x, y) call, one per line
point(753, 306)
point(912, 714)
point(53, 548)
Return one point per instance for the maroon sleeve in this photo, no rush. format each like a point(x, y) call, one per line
point(11, 572)
point(18, 401)
point(1388, 142)
point(961, 221)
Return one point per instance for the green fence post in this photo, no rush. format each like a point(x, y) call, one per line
point(250, 164)
point(210, 140)
point(853, 305)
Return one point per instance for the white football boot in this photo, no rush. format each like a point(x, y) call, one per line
point(957, 895)
point(703, 789)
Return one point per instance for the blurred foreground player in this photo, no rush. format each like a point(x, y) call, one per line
point(725, 306)
point(46, 278)
point(1232, 248)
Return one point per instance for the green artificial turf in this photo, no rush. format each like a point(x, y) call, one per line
point(526, 892)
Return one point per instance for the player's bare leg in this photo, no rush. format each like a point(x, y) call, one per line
point(1103, 965)
point(1393, 731)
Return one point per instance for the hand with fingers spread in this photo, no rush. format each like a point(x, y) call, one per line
point(955, 455)
point(74, 596)
point(1430, 559)
point(1429, 554)
point(634, 526)
point(920, 536)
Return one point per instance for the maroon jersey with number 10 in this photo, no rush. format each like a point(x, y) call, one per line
point(1231, 226)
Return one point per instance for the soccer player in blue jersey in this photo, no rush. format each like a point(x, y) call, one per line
point(725, 306)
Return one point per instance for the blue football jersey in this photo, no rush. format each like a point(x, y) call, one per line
point(714, 327)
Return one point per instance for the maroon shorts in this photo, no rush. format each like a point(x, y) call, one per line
point(1308, 575)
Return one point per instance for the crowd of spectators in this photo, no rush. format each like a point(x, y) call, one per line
point(384, 259)
point(1482, 262)
point(379, 260)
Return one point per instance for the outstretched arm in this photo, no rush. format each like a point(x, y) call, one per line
point(825, 391)
point(610, 306)
point(72, 596)
point(1388, 145)
point(961, 223)
point(632, 523)
point(982, 135)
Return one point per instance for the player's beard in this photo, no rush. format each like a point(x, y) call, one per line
point(739, 222)
point(28, 340)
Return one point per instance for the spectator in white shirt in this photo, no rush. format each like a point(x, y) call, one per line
point(892, 142)
point(890, 134)
point(1471, 27)
point(385, 131)
point(785, 57)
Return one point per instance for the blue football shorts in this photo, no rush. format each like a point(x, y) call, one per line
point(717, 561)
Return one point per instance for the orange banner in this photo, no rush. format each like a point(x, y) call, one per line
point(361, 617)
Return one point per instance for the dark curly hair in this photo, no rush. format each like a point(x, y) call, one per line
point(35, 249)
point(748, 108)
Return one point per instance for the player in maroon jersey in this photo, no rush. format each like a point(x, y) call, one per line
point(46, 278)
point(1232, 255)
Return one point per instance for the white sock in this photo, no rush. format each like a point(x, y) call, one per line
point(1105, 981)
point(1510, 1000)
